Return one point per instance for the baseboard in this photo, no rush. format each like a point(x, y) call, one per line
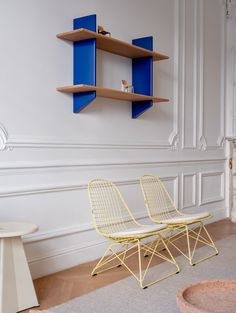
point(217, 215)
point(60, 260)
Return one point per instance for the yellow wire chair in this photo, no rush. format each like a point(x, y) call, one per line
point(113, 220)
point(161, 209)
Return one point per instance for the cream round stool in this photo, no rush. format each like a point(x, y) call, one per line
point(16, 286)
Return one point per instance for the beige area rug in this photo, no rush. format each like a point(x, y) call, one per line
point(125, 296)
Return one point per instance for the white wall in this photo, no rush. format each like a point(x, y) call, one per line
point(49, 154)
point(231, 70)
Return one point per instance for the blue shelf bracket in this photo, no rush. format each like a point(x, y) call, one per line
point(142, 76)
point(84, 60)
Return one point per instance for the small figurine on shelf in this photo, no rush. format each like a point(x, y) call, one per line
point(102, 31)
point(126, 87)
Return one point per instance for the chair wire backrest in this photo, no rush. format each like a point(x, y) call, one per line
point(110, 212)
point(157, 199)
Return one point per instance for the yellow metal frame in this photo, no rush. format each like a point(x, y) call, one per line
point(195, 235)
point(111, 216)
point(161, 208)
point(129, 248)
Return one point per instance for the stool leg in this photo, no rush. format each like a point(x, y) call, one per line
point(16, 285)
point(8, 294)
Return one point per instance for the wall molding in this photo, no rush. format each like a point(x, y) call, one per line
point(203, 143)
point(67, 231)
point(221, 138)
point(202, 139)
point(174, 140)
point(183, 92)
point(3, 137)
point(22, 168)
point(174, 136)
point(176, 188)
point(221, 197)
point(72, 187)
point(15, 143)
point(194, 190)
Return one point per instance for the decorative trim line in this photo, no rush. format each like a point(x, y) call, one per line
point(174, 140)
point(202, 138)
point(221, 138)
point(183, 70)
point(174, 136)
point(67, 231)
point(203, 143)
point(40, 144)
point(195, 73)
point(3, 137)
point(195, 99)
point(61, 188)
point(231, 58)
point(57, 233)
point(176, 188)
point(221, 141)
point(56, 166)
point(221, 197)
point(194, 202)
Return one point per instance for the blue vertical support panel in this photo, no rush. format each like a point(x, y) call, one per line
point(142, 77)
point(84, 60)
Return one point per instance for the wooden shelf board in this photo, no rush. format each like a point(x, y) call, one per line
point(109, 93)
point(112, 45)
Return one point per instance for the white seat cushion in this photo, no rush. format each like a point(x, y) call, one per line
point(186, 218)
point(139, 230)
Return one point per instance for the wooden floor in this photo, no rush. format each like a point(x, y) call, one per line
point(63, 286)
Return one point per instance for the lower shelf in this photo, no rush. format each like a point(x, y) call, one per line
point(109, 93)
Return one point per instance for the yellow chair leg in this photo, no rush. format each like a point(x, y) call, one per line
point(196, 235)
point(104, 261)
point(136, 247)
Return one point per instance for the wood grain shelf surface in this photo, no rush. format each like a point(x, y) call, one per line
point(112, 45)
point(109, 93)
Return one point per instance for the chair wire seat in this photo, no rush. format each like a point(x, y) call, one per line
point(161, 209)
point(113, 219)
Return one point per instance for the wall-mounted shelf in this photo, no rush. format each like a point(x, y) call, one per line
point(109, 93)
point(112, 45)
point(85, 42)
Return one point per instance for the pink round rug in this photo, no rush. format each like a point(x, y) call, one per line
point(212, 296)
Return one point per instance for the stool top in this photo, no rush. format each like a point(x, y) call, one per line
point(13, 229)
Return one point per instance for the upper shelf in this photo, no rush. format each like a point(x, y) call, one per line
point(112, 45)
point(110, 93)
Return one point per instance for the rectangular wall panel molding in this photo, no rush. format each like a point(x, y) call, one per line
point(211, 187)
point(188, 190)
